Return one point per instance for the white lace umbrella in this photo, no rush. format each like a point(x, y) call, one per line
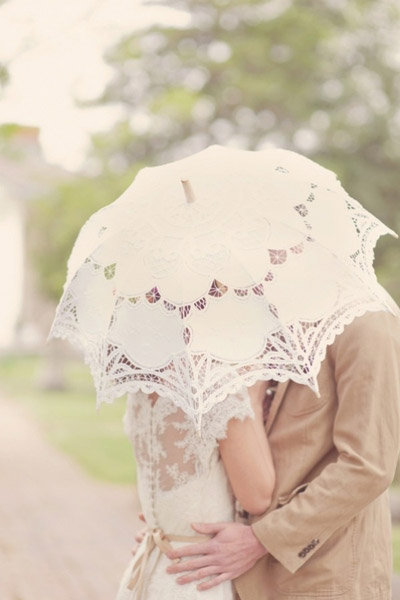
point(216, 270)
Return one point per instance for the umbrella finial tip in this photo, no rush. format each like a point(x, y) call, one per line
point(187, 186)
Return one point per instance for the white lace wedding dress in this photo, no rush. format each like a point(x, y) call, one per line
point(181, 480)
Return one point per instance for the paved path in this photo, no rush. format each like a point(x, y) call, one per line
point(63, 535)
point(396, 587)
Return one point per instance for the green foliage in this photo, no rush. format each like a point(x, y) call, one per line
point(4, 75)
point(396, 549)
point(316, 76)
point(8, 149)
point(95, 440)
point(176, 103)
point(8, 131)
point(56, 219)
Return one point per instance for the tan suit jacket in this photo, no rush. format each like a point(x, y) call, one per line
point(328, 529)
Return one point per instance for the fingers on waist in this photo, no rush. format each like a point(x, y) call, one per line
point(190, 565)
point(191, 550)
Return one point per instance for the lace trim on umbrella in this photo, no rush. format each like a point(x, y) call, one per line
point(295, 352)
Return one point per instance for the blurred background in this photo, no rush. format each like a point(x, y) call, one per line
point(90, 92)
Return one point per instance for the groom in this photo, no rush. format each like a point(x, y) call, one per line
point(327, 533)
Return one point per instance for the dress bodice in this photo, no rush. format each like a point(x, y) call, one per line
point(181, 478)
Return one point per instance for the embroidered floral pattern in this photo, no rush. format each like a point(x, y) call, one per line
point(187, 335)
point(217, 289)
point(259, 289)
point(302, 210)
point(201, 304)
point(169, 305)
point(277, 257)
point(241, 292)
point(153, 296)
point(298, 249)
point(168, 450)
point(184, 310)
point(109, 271)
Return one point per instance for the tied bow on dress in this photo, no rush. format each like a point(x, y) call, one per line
point(155, 539)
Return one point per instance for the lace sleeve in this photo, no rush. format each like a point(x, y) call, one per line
point(215, 421)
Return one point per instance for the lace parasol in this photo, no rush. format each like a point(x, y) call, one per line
point(216, 270)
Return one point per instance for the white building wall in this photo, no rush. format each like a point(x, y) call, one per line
point(11, 267)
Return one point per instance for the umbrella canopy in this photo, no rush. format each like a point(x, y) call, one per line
point(216, 270)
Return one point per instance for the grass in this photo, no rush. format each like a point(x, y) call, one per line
point(396, 548)
point(69, 419)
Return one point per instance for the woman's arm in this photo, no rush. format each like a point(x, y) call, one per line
point(247, 457)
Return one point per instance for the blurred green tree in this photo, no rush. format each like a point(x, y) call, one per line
point(320, 77)
point(4, 76)
point(317, 76)
point(56, 218)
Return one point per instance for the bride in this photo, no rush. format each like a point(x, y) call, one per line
point(186, 477)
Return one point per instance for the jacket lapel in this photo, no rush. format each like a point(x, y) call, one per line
point(276, 402)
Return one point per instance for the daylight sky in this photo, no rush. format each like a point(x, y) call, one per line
point(54, 52)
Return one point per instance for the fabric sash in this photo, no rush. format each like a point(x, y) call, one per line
point(156, 538)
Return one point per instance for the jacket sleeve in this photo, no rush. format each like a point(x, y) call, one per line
point(366, 360)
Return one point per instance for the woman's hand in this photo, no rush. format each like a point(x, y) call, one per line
point(139, 535)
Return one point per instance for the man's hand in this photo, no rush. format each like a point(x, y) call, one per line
point(232, 551)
